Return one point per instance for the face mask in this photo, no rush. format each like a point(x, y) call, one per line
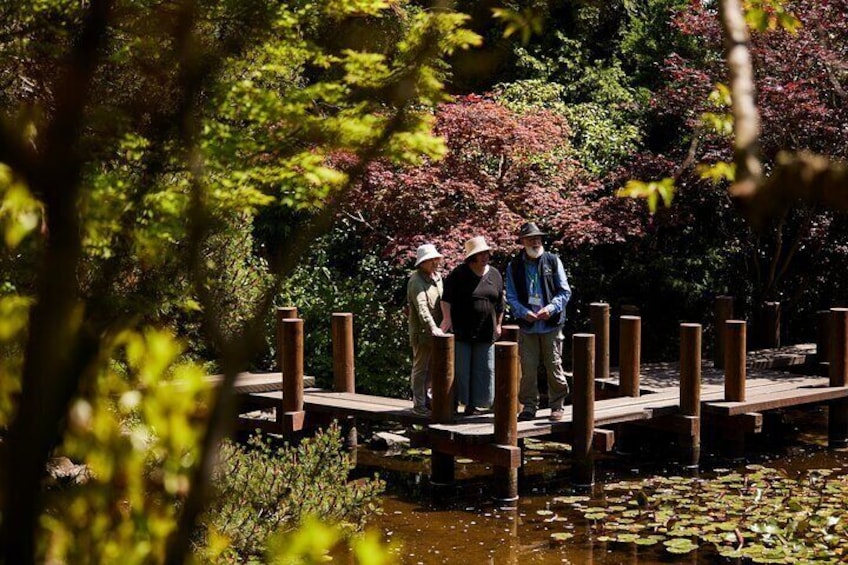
point(534, 252)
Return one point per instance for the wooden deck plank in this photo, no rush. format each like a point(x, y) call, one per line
point(783, 399)
point(250, 383)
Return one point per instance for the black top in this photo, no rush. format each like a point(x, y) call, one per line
point(475, 303)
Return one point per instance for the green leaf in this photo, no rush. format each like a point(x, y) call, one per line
point(650, 191)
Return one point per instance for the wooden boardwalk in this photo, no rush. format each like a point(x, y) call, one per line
point(767, 389)
point(679, 398)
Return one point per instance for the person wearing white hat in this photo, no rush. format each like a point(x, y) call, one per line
point(473, 307)
point(423, 297)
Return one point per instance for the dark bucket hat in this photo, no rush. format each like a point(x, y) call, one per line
point(529, 229)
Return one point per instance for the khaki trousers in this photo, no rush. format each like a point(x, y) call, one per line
point(422, 352)
point(545, 348)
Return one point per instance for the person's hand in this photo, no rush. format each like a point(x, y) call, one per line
point(438, 332)
point(530, 316)
point(445, 327)
point(543, 314)
point(498, 331)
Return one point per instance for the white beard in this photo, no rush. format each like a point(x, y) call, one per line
point(534, 252)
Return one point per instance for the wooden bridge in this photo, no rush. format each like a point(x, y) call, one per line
point(728, 394)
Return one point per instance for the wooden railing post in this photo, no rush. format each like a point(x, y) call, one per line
point(509, 333)
point(629, 358)
point(283, 313)
point(599, 317)
point(442, 371)
point(770, 330)
point(506, 418)
point(735, 337)
point(583, 469)
point(344, 376)
point(690, 393)
point(837, 427)
point(823, 342)
point(292, 405)
point(723, 312)
point(734, 360)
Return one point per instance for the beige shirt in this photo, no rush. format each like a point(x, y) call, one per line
point(423, 296)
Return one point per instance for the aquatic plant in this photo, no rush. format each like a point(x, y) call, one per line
point(761, 514)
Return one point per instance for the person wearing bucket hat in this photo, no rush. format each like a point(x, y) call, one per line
point(473, 307)
point(423, 298)
point(537, 292)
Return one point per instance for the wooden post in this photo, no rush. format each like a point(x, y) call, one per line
point(837, 427)
point(283, 313)
point(292, 405)
point(506, 417)
point(599, 316)
point(583, 348)
point(723, 312)
point(823, 342)
point(734, 360)
point(629, 358)
point(735, 333)
point(690, 392)
point(344, 376)
point(442, 464)
point(509, 333)
point(344, 379)
point(770, 330)
point(629, 310)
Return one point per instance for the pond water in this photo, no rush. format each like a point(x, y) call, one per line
point(463, 525)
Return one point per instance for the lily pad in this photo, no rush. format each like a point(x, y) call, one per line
point(680, 545)
point(561, 537)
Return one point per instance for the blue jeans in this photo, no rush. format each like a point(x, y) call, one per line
point(474, 369)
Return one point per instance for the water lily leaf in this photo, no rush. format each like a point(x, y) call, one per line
point(570, 499)
point(650, 540)
point(680, 545)
point(561, 537)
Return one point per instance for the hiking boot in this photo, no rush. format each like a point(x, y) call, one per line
point(527, 415)
point(472, 411)
point(421, 411)
point(557, 415)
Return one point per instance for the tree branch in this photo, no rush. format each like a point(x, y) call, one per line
point(746, 151)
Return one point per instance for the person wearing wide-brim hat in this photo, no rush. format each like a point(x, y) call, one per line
point(473, 307)
point(423, 297)
point(537, 291)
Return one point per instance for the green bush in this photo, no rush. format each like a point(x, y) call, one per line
point(262, 490)
point(340, 275)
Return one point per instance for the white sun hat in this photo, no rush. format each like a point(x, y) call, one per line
point(476, 245)
point(425, 253)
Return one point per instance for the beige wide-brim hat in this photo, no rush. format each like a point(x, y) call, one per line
point(425, 253)
point(476, 245)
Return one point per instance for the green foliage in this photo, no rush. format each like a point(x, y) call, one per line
point(262, 491)
point(20, 213)
point(14, 311)
point(526, 22)
point(339, 276)
point(604, 131)
point(652, 192)
point(147, 164)
point(137, 431)
point(717, 172)
point(769, 15)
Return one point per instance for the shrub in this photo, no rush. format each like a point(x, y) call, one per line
point(262, 490)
